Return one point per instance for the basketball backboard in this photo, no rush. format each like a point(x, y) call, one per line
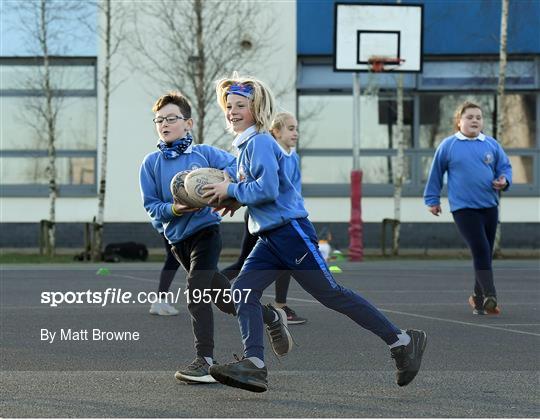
point(363, 31)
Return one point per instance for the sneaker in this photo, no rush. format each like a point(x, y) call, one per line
point(409, 357)
point(196, 372)
point(162, 308)
point(490, 306)
point(278, 333)
point(241, 374)
point(477, 303)
point(292, 318)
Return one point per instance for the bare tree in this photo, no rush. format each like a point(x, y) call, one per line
point(209, 39)
point(501, 108)
point(46, 33)
point(400, 163)
point(111, 33)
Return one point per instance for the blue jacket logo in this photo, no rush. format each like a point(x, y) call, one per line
point(488, 158)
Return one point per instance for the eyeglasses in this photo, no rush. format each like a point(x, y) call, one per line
point(170, 120)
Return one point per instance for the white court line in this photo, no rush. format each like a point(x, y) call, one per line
point(472, 324)
point(509, 325)
point(155, 281)
point(394, 312)
point(363, 291)
point(461, 322)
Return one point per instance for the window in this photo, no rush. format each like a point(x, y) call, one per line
point(24, 144)
point(518, 137)
point(325, 118)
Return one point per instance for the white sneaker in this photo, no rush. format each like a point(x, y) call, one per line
point(162, 308)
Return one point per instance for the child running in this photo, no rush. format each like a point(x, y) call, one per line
point(277, 215)
point(285, 130)
point(478, 169)
point(194, 233)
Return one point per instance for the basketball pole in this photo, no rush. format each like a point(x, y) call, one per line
point(356, 242)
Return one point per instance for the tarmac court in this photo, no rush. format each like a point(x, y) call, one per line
point(474, 366)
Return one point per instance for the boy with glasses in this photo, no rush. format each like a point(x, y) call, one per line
point(194, 233)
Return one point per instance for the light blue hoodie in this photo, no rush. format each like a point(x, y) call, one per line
point(264, 184)
point(471, 165)
point(156, 174)
point(292, 168)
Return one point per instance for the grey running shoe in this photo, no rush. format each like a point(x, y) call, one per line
point(241, 374)
point(409, 357)
point(278, 333)
point(477, 303)
point(196, 372)
point(292, 317)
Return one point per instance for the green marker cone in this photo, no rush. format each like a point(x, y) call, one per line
point(103, 272)
point(335, 269)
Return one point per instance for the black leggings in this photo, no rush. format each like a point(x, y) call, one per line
point(248, 243)
point(199, 255)
point(478, 227)
point(169, 269)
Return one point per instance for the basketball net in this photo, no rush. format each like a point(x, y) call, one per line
point(379, 64)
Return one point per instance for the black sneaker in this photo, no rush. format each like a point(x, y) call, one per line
point(241, 374)
point(196, 372)
point(477, 303)
point(278, 333)
point(409, 357)
point(292, 318)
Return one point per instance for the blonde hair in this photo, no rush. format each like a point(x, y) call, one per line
point(461, 110)
point(279, 121)
point(261, 105)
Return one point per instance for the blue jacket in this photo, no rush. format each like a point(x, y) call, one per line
point(292, 169)
point(264, 184)
point(471, 166)
point(156, 174)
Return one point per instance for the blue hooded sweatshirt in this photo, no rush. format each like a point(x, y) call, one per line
point(156, 174)
point(264, 184)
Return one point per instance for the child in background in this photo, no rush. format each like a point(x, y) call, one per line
point(277, 215)
point(166, 276)
point(478, 169)
point(284, 129)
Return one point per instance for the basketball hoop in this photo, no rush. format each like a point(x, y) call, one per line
point(378, 64)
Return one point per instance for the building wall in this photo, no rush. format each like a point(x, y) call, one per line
point(451, 27)
point(131, 131)
point(132, 134)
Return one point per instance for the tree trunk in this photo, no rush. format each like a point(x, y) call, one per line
point(50, 126)
point(200, 73)
point(398, 180)
point(97, 242)
point(501, 107)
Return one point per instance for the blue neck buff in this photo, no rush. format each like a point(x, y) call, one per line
point(172, 151)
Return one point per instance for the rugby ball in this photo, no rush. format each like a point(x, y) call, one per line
point(197, 179)
point(179, 192)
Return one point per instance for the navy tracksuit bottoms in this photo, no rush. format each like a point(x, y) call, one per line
point(478, 228)
point(294, 247)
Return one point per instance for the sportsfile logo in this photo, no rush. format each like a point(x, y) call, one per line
point(109, 296)
point(115, 296)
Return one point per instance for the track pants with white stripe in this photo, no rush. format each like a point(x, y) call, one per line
point(294, 247)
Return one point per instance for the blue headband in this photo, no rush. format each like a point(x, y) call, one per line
point(240, 89)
